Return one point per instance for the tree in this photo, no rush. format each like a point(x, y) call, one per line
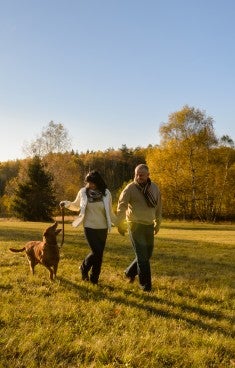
point(183, 163)
point(8, 171)
point(68, 173)
point(34, 198)
point(54, 138)
point(224, 160)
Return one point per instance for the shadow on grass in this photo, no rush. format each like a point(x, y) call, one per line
point(16, 234)
point(180, 258)
point(6, 287)
point(145, 302)
point(188, 262)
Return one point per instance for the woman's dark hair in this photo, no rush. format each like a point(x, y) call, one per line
point(95, 177)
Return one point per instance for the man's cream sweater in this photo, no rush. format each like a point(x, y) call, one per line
point(133, 206)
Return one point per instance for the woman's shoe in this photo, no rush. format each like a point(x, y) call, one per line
point(85, 276)
point(130, 278)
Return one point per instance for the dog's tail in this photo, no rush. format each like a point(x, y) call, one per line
point(16, 250)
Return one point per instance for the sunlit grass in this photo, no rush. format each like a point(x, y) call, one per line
point(186, 321)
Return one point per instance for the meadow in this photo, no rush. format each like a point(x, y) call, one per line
point(185, 322)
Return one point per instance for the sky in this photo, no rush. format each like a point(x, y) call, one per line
point(112, 71)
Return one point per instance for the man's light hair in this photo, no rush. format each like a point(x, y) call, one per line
point(142, 167)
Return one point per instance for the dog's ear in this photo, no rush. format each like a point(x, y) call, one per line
point(58, 231)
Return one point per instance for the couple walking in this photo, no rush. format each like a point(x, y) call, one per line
point(139, 204)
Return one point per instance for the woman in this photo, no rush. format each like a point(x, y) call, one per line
point(94, 202)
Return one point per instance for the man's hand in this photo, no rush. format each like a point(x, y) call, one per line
point(62, 204)
point(121, 231)
point(156, 229)
point(122, 228)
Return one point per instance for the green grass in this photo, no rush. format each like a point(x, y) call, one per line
point(186, 321)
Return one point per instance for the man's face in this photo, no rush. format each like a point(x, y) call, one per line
point(141, 176)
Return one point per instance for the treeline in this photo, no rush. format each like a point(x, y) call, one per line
point(68, 171)
point(194, 168)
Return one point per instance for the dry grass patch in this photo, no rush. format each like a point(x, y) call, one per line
point(185, 322)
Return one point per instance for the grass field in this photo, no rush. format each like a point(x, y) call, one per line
point(186, 321)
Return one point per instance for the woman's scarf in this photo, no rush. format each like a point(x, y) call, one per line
point(94, 195)
point(148, 195)
point(83, 203)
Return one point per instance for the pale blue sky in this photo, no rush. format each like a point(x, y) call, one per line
point(111, 71)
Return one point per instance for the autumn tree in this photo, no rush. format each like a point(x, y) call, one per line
point(68, 174)
point(34, 198)
point(8, 171)
point(53, 139)
point(223, 163)
point(183, 162)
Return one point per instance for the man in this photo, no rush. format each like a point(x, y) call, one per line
point(140, 204)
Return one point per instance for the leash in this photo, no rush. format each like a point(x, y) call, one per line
point(62, 216)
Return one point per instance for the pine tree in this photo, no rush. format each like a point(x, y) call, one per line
point(34, 198)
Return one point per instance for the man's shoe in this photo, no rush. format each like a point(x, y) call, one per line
point(93, 279)
point(94, 282)
point(85, 276)
point(146, 288)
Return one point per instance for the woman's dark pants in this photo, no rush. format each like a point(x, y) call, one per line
point(142, 239)
point(96, 239)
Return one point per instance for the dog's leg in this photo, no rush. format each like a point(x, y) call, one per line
point(50, 269)
point(55, 267)
point(51, 274)
point(32, 264)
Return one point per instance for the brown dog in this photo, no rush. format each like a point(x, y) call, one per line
point(45, 252)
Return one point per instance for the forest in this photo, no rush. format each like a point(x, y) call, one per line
point(194, 169)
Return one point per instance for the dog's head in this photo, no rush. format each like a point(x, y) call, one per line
point(50, 234)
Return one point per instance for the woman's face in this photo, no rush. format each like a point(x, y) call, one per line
point(91, 185)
